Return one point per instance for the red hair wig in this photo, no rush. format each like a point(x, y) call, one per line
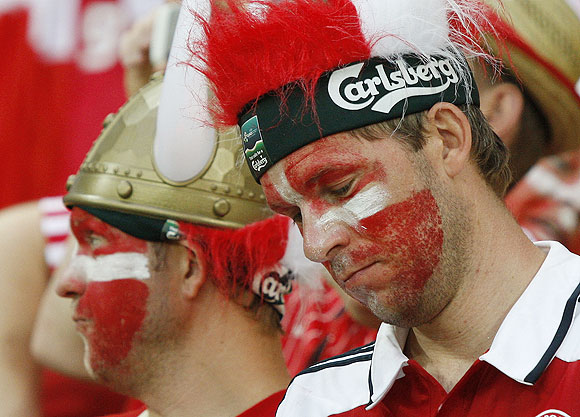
point(258, 47)
point(247, 56)
point(234, 256)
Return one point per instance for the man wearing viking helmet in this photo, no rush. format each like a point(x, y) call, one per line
point(178, 283)
point(178, 299)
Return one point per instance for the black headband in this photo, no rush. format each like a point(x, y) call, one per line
point(357, 95)
point(142, 227)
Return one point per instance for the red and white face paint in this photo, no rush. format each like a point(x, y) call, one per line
point(365, 213)
point(371, 199)
point(107, 281)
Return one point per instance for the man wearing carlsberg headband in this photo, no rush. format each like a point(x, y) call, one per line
point(360, 120)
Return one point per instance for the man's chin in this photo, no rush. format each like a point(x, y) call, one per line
point(98, 371)
point(398, 315)
point(119, 378)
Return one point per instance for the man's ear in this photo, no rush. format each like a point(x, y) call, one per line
point(503, 105)
point(196, 271)
point(450, 126)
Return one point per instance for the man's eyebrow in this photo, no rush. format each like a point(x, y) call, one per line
point(312, 165)
point(334, 173)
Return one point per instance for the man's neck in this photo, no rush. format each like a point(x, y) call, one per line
point(506, 262)
point(233, 364)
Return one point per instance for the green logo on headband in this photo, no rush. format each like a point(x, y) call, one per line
point(254, 149)
point(170, 231)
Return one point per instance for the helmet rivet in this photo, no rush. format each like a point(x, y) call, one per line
point(221, 208)
point(251, 194)
point(262, 197)
point(105, 167)
point(116, 170)
point(213, 187)
point(124, 189)
point(69, 182)
point(239, 191)
point(227, 189)
point(127, 171)
point(139, 174)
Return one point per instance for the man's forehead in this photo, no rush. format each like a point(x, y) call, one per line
point(84, 219)
point(332, 152)
point(87, 222)
point(110, 239)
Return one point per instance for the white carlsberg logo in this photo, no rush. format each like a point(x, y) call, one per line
point(399, 85)
point(259, 164)
point(553, 413)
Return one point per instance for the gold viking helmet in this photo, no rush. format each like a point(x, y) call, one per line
point(119, 173)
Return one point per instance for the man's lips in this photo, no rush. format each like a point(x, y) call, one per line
point(81, 322)
point(77, 312)
point(82, 326)
point(354, 272)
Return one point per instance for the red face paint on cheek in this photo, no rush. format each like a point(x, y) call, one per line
point(114, 311)
point(411, 236)
point(112, 307)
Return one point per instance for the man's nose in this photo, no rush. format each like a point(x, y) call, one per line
point(323, 238)
point(70, 279)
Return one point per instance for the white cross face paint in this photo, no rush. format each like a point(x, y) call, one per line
point(122, 265)
point(97, 271)
point(282, 186)
point(111, 305)
point(322, 218)
point(364, 204)
point(109, 282)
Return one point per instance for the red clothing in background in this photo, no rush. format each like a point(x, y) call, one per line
point(317, 327)
point(60, 77)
